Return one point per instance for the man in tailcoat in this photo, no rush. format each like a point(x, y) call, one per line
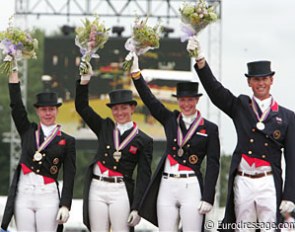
point(264, 128)
point(177, 190)
point(34, 198)
point(111, 198)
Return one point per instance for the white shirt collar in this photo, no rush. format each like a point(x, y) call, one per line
point(47, 130)
point(124, 127)
point(188, 120)
point(263, 104)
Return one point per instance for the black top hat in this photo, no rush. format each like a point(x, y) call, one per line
point(187, 89)
point(259, 69)
point(47, 99)
point(121, 96)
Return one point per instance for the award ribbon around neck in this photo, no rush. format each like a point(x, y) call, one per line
point(182, 141)
point(260, 125)
point(48, 140)
point(119, 146)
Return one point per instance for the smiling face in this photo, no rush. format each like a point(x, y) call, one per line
point(47, 114)
point(260, 86)
point(187, 105)
point(122, 113)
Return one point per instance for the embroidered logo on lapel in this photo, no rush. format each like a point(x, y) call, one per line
point(193, 159)
point(277, 134)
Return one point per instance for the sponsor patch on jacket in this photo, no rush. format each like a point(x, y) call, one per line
point(133, 149)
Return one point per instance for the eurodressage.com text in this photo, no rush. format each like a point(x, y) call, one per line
point(209, 225)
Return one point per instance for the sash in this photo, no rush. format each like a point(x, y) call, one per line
point(46, 142)
point(120, 146)
point(260, 125)
point(182, 141)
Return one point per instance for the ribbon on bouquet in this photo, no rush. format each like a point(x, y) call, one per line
point(132, 46)
point(188, 31)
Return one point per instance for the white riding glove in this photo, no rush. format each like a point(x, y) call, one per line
point(286, 206)
point(2, 230)
point(9, 58)
point(62, 215)
point(204, 207)
point(135, 66)
point(85, 70)
point(194, 48)
point(133, 218)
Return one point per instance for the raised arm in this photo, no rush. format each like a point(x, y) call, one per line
point(92, 119)
point(219, 95)
point(18, 111)
point(157, 109)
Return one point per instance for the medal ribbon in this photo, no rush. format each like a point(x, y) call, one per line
point(47, 140)
point(180, 140)
point(265, 113)
point(119, 146)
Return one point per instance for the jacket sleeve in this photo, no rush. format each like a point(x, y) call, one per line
point(143, 173)
point(92, 119)
point(212, 168)
point(289, 153)
point(220, 96)
point(69, 171)
point(157, 109)
point(18, 111)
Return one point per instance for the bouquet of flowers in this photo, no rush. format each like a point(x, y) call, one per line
point(195, 17)
point(89, 38)
point(143, 38)
point(16, 45)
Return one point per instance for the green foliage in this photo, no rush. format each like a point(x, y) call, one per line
point(224, 170)
point(198, 15)
point(16, 44)
point(83, 159)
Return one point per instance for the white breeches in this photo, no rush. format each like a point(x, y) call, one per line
point(178, 199)
point(36, 208)
point(108, 206)
point(255, 200)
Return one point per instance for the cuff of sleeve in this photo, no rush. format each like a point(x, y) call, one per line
point(136, 75)
point(85, 77)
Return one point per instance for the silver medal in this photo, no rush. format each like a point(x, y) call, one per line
point(180, 152)
point(117, 155)
point(37, 156)
point(260, 125)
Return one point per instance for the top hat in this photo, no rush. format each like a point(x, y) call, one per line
point(259, 69)
point(187, 89)
point(121, 96)
point(47, 99)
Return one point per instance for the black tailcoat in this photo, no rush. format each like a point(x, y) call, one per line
point(279, 133)
point(137, 153)
point(59, 153)
point(205, 142)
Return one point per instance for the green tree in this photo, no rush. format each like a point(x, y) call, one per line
point(224, 170)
